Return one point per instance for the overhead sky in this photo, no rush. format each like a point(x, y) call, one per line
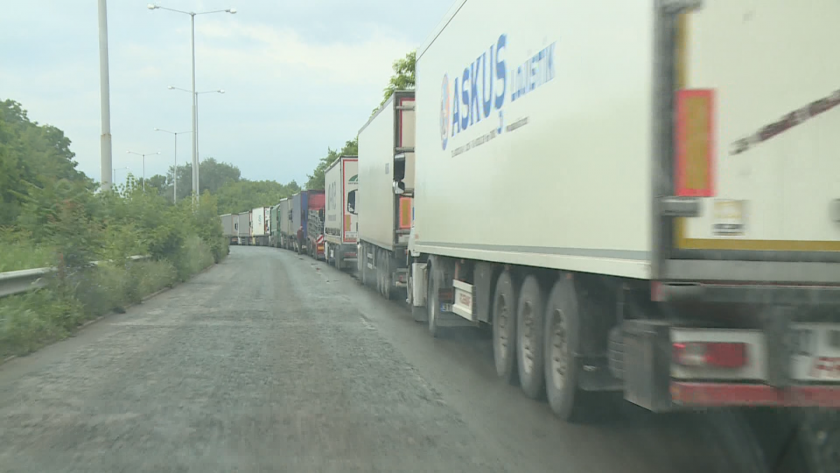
point(298, 76)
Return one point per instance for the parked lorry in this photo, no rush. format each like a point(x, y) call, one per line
point(630, 211)
point(274, 236)
point(386, 186)
point(261, 225)
point(341, 217)
point(229, 227)
point(314, 226)
point(284, 216)
point(244, 230)
point(300, 204)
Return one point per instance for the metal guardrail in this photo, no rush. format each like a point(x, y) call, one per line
point(25, 280)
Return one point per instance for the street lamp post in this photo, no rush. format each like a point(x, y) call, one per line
point(196, 140)
point(144, 164)
point(114, 181)
point(232, 11)
point(175, 171)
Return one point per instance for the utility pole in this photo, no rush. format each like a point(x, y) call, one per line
point(105, 99)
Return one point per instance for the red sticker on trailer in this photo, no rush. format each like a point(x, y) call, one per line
point(694, 167)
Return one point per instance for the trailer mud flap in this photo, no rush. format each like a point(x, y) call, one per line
point(647, 363)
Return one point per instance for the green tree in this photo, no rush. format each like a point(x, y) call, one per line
point(402, 79)
point(245, 195)
point(32, 156)
point(316, 179)
point(213, 176)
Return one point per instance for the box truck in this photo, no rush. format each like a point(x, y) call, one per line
point(341, 217)
point(314, 226)
point(300, 204)
point(274, 236)
point(229, 226)
point(386, 186)
point(284, 216)
point(638, 197)
point(244, 230)
point(260, 225)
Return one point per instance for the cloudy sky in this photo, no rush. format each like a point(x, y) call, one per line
point(298, 76)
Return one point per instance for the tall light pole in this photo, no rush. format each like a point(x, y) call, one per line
point(175, 169)
point(197, 143)
point(144, 165)
point(104, 100)
point(192, 15)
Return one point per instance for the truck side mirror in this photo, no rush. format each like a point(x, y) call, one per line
point(351, 202)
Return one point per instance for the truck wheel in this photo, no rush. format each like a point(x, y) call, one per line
point(386, 275)
point(419, 314)
point(504, 328)
point(338, 259)
point(432, 299)
point(562, 328)
point(377, 264)
point(363, 269)
point(530, 328)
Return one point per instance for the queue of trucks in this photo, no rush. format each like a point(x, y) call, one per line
point(606, 186)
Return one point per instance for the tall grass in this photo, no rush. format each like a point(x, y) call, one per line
point(17, 255)
point(111, 227)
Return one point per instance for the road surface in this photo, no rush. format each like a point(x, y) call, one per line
point(271, 361)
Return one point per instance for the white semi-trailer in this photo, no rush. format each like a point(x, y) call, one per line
point(639, 197)
point(386, 184)
point(244, 229)
point(284, 216)
point(261, 225)
point(341, 182)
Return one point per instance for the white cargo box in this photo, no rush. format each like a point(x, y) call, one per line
point(285, 216)
point(386, 151)
point(342, 184)
point(560, 154)
point(259, 222)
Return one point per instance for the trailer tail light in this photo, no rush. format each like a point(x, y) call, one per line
point(405, 213)
point(710, 354)
point(694, 167)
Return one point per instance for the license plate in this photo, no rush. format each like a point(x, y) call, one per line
point(816, 352)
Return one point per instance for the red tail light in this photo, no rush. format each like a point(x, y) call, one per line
point(710, 354)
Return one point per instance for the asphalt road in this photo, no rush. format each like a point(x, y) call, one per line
point(274, 362)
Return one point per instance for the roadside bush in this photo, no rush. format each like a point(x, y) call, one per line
point(32, 320)
point(110, 228)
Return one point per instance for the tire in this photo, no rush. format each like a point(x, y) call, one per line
point(562, 339)
point(419, 314)
point(504, 327)
point(377, 264)
point(432, 301)
point(386, 275)
point(530, 330)
point(363, 269)
point(338, 259)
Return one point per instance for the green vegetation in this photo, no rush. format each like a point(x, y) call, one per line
point(53, 216)
point(402, 79)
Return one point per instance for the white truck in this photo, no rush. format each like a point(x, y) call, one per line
point(386, 177)
point(640, 197)
point(229, 227)
point(284, 217)
point(341, 226)
point(261, 225)
point(244, 229)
